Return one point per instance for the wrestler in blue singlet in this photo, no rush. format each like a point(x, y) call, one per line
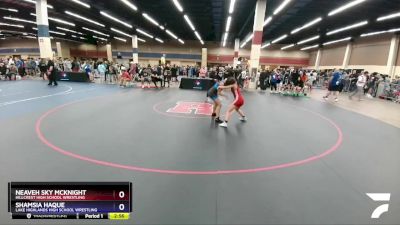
point(213, 92)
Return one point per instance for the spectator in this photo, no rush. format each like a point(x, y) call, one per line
point(59, 63)
point(228, 73)
point(155, 77)
point(29, 67)
point(88, 71)
point(67, 65)
point(125, 77)
point(263, 80)
point(190, 72)
point(303, 80)
point(75, 65)
point(242, 78)
point(279, 80)
point(10, 61)
point(133, 69)
point(37, 61)
point(174, 72)
point(274, 82)
point(213, 74)
point(3, 70)
point(43, 68)
point(20, 66)
point(295, 78)
point(314, 75)
point(203, 72)
point(113, 73)
point(334, 85)
point(371, 85)
point(146, 76)
point(12, 71)
point(167, 75)
point(361, 80)
point(101, 68)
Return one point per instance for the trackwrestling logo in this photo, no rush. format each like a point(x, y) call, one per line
point(379, 197)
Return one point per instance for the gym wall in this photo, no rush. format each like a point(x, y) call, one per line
point(368, 53)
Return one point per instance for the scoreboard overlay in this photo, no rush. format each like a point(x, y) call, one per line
point(70, 200)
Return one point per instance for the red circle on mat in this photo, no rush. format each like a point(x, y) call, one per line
point(58, 149)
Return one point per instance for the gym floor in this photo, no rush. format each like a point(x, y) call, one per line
point(295, 161)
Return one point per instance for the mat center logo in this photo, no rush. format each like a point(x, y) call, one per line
point(197, 108)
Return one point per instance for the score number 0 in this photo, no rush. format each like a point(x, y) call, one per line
point(121, 195)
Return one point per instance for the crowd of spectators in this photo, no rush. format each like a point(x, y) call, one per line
point(286, 81)
point(16, 68)
point(102, 70)
point(291, 81)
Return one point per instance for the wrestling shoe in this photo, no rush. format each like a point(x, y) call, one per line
point(218, 120)
point(224, 124)
point(243, 119)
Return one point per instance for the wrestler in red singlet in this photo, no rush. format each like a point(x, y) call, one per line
point(239, 100)
point(236, 104)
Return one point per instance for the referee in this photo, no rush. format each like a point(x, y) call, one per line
point(51, 72)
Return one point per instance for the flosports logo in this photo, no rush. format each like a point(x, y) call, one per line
point(197, 108)
point(379, 197)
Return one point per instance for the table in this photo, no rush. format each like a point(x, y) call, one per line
point(196, 83)
point(72, 76)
